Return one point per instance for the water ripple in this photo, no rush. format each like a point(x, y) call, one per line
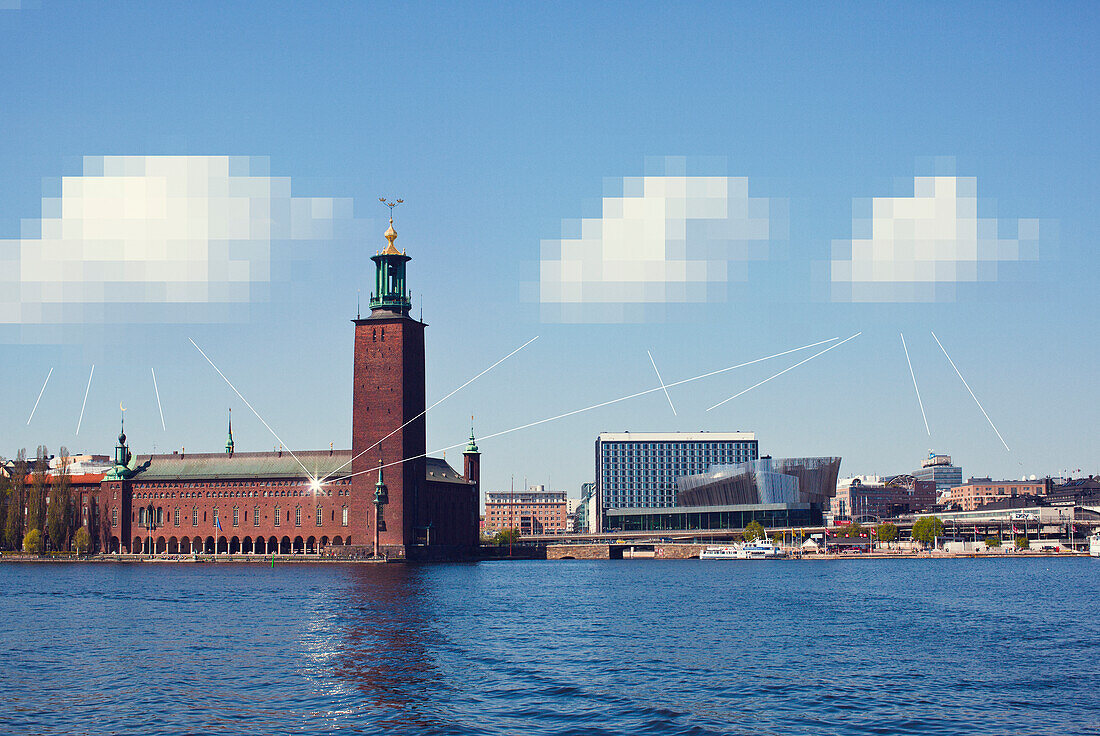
point(653, 647)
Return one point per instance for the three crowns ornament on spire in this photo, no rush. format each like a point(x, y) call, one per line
point(391, 205)
point(391, 234)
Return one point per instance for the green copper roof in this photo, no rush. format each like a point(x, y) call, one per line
point(242, 465)
point(250, 465)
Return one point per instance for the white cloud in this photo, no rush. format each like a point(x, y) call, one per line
point(916, 249)
point(666, 240)
point(164, 234)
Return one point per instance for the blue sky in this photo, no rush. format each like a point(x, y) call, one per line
point(497, 122)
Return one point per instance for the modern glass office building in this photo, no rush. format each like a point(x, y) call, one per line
point(939, 470)
point(639, 469)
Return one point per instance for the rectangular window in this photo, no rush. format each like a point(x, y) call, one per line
point(195, 516)
point(236, 516)
point(320, 516)
point(298, 516)
point(255, 516)
point(176, 520)
point(344, 516)
point(278, 519)
point(215, 517)
point(114, 517)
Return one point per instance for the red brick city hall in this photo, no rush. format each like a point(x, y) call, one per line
point(384, 496)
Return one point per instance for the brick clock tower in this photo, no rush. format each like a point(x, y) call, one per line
point(388, 410)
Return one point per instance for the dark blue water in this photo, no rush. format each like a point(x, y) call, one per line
point(628, 647)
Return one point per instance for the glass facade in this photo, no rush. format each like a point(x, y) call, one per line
point(945, 477)
point(640, 471)
point(688, 518)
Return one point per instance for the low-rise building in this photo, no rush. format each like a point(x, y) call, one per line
point(978, 492)
point(869, 497)
point(534, 511)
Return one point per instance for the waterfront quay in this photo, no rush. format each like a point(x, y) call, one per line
point(687, 551)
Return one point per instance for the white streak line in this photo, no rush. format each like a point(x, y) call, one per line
point(269, 429)
point(601, 404)
point(960, 375)
point(661, 380)
point(780, 373)
point(391, 434)
point(914, 375)
point(39, 397)
point(157, 390)
point(79, 421)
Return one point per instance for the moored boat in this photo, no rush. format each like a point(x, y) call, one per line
point(723, 552)
point(756, 550)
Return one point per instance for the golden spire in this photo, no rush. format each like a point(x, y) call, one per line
point(391, 234)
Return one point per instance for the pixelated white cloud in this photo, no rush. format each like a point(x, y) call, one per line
point(155, 238)
point(666, 240)
point(917, 249)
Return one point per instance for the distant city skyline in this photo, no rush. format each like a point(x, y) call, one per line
point(753, 182)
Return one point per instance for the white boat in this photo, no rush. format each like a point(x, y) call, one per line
point(758, 550)
point(761, 549)
point(720, 553)
point(1094, 545)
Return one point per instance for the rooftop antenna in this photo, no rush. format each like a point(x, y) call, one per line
point(357, 294)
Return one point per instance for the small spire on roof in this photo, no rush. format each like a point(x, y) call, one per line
point(229, 442)
point(471, 446)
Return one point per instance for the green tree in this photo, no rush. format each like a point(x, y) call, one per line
point(17, 502)
point(754, 531)
point(82, 540)
point(992, 541)
point(927, 529)
point(5, 502)
point(855, 529)
point(63, 489)
point(1022, 543)
point(58, 511)
point(506, 536)
point(32, 543)
point(36, 500)
point(55, 521)
point(887, 532)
